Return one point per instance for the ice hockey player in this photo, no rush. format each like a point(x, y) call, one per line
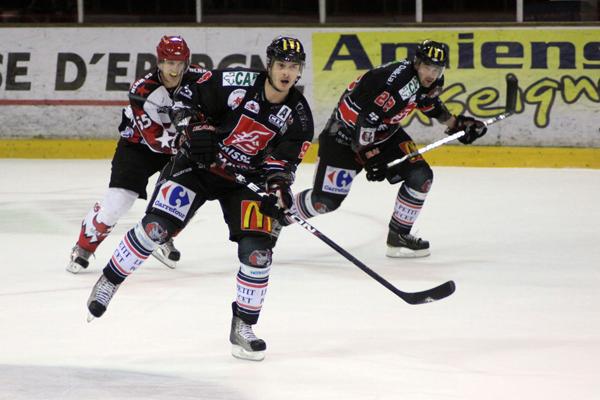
point(254, 123)
point(364, 133)
point(146, 145)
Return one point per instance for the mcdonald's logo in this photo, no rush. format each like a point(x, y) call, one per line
point(410, 147)
point(437, 54)
point(292, 44)
point(252, 219)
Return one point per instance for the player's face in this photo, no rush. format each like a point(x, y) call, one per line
point(429, 73)
point(284, 74)
point(171, 70)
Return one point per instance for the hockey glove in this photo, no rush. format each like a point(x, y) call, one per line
point(180, 116)
point(474, 129)
point(201, 145)
point(376, 168)
point(280, 197)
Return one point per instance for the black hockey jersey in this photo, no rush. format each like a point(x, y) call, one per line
point(252, 131)
point(148, 122)
point(381, 98)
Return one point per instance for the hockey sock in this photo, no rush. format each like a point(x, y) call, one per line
point(251, 285)
point(303, 205)
point(132, 251)
point(406, 210)
point(92, 232)
point(100, 220)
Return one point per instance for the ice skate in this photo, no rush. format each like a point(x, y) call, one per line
point(405, 245)
point(245, 344)
point(79, 260)
point(102, 293)
point(167, 254)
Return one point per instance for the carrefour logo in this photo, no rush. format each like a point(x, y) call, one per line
point(338, 180)
point(174, 199)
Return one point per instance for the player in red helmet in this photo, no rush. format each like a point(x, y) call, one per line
point(147, 143)
point(260, 126)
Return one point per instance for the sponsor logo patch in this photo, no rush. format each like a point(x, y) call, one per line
point(249, 136)
point(252, 106)
point(235, 98)
point(252, 219)
point(174, 199)
point(338, 180)
point(239, 78)
point(279, 119)
point(410, 88)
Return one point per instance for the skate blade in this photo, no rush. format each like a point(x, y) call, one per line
point(160, 257)
point(405, 252)
point(73, 268)
point(90, 317)
point(243, 354)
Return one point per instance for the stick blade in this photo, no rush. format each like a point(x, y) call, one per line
point(512, 87)
point(429, 296)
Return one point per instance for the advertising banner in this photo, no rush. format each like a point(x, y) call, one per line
point(72, 82)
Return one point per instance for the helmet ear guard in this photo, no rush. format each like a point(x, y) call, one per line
point(433, 53)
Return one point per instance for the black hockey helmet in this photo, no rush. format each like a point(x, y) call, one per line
point(285, 48)
point(433, 53)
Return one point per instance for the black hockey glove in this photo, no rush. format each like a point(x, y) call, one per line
point(280, 197)
point(201, 144)
point(180, 116)
point(474, 129)
point(376, 168)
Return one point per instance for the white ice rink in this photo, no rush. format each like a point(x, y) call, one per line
point(522, 245)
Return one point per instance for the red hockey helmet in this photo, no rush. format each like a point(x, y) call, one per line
point(172, 48)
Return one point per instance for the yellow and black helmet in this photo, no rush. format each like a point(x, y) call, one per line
point(431, 52)
point(284, 48)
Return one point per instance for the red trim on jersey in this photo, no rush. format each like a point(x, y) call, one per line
point(349, 116)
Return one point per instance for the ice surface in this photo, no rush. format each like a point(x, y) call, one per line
point(523, 246)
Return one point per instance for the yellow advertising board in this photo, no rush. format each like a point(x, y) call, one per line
point(558, 71)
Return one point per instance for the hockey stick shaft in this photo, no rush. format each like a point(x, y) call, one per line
point(511, 99)
point(427, 296)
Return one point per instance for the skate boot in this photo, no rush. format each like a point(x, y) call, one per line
point(245, 344)
point(167, 254)
point(405, 245)
point(101, 294)
point(79, 260)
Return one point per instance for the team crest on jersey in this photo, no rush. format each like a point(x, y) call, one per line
point(235, 98)
point(338, 180)
point(249, 136)
point(252, 106)
point(239, 78)
point(410, 88)
point(174, 199)
point(252, 219)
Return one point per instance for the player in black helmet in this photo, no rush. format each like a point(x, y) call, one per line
point(364, 133)
point(255, 123)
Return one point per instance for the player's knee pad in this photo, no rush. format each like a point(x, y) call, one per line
point(158, 228)
point(255, 251)
point(419, 178)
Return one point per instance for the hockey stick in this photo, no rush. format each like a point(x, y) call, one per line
point(426, 296)
point(512, 86)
